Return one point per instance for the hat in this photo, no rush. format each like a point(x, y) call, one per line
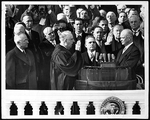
point(61, 17)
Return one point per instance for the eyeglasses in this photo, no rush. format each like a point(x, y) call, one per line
point(51, 33)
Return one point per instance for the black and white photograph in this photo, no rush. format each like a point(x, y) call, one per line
point(75, 59)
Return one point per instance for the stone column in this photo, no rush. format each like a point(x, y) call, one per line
point(21, 106)
point(51, 108)
point(142, 108)
point(6, 108)
point(67, 107)
point(129, 107)
point(97, 108)
point(83, 106)
point(35, 106)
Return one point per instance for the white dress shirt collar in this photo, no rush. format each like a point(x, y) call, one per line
point(91, 54)
point(126, 47)
point(78, 34)
point(136, 33)
point(20, 49)
point(53, 42)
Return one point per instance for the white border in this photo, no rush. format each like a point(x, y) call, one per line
point(58, 93)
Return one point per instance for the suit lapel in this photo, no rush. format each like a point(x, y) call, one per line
point(27, 35)
point(87, 58)
point(125, 53)
point(21, 56)
point(119, 55)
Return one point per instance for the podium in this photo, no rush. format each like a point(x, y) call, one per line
point(108, 76)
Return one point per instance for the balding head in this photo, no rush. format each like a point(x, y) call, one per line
point(49, 33)
point(117, 30)
point(47, 30)
point(111, 17)
point(19, 28)
point(126, 37)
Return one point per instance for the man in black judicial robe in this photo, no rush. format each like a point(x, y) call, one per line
point(64, 65)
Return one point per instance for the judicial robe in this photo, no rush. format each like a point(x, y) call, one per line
point(64, 68)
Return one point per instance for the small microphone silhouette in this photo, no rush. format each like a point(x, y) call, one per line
point(104, 56)
point(96, 56)
point(113, 57)
point(100, 57)
point(108, 55)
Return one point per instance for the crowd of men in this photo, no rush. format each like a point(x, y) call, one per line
point(47, 45)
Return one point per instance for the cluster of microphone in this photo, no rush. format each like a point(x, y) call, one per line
point(103, 57)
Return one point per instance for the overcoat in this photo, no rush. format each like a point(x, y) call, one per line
point(20, 70)
point(129, 58)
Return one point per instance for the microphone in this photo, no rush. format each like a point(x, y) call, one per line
point(113, 57)
point(96, 56)
point(104, 56)
point(108, 55)
point(100, 57)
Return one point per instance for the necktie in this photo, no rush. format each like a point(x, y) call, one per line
point(135, 33)
point(92, 56)
point(78, 37)
point(54, 43)
point(27, 59)
point(30, 35)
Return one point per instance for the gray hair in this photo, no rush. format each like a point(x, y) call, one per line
point(18, 37)
point(63, 35)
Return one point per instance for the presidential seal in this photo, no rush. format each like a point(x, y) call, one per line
point(112, 105)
